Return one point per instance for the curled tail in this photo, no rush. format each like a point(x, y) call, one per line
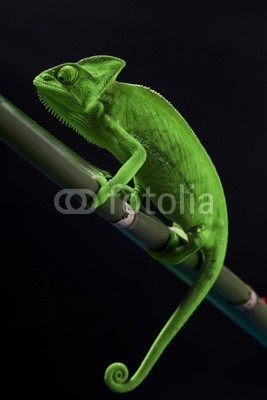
point(117, 375)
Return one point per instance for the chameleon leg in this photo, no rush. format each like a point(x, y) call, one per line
point(132, 195)
point(136, 195)
point(173, 253)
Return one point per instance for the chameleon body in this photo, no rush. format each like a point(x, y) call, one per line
point(159, 150)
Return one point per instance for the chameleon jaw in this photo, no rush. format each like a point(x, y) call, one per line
point(57, 111)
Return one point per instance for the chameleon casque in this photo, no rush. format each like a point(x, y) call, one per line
point(157, 149)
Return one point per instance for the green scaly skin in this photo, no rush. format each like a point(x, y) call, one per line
point(159, 150)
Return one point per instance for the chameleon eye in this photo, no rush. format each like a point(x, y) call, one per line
point(67, 74)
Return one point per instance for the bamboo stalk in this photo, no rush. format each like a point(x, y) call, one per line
point(230, 294)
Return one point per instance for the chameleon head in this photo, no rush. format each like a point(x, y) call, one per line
point(72, 91)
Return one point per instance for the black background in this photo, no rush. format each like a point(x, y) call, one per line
point(77, 295)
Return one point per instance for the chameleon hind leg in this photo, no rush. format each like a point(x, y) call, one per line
point(174, 252)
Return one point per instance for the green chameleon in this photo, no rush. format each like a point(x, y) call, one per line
point(157, 149)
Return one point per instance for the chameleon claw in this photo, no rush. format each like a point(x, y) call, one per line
point(178, 248)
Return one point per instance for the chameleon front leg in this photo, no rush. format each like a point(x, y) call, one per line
point(134, 195)
point(119, 142)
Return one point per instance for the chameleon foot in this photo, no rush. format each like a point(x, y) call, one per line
point(177, 249)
